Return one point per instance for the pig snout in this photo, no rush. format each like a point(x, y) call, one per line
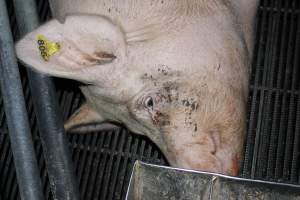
point(207, 161)
point(208, 154)
point(209, 136)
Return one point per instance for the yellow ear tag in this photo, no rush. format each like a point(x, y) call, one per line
point(47, 48)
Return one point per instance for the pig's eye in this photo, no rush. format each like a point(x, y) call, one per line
point(149, 103)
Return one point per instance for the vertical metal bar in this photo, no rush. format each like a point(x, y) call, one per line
point(263, 155)
point(279, 95)
point(55, 145)
point(256, 66)
point(21, 141)
point(295, 162)
point(266, 19)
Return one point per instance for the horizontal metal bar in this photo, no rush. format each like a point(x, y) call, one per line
point(55, 145)
point(19, 132)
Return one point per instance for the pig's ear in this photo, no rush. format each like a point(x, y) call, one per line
point(84, 115)
point(82, 48)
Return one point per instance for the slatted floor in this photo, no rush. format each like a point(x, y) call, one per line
point(272, 150)
point(104, 161)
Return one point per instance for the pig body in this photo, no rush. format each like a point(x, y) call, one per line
point(175, 71)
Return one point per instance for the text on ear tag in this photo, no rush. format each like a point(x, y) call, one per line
point(47, 48)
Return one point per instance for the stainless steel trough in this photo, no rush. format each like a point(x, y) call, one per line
point(153, 182)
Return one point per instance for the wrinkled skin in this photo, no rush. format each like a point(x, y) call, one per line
point(175, 71)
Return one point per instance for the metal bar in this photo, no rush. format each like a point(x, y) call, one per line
point(295, 162)
point(249, 146)
point(30, 185)
point(263, 156)
point(279, 95)
point(283, 121)
point(291, 106)
point(55, 145)
point(265, 20)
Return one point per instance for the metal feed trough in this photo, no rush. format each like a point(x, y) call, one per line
point(165, 183)
point(36, 155)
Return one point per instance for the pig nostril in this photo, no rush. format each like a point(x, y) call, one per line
point(213, 152)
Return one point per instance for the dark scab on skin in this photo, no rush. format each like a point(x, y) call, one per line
point(160, 119)
point(163, 69)
point(169, 98)
point(190, 106)
point(194, 106)
point(186, 103)
point(190, 103)
point(169, 86)
point(147, 76)
point(161, 98)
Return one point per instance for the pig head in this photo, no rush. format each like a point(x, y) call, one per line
point(174, 71)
